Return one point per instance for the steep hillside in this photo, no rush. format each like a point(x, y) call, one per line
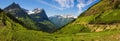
point(12, 29)
point(8, 24)
point(104, 16)
point(102, 6)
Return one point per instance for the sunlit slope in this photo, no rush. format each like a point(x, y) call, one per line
point(104, 16)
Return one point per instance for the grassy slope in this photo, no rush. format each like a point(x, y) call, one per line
point(14, 31)
point(103, 16)
point(48, 26)
point(101, 7)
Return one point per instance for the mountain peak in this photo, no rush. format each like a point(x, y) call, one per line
point(15, 10)
point(40, 13)
point(35, 11)
point(13, 5)
point(38, 10)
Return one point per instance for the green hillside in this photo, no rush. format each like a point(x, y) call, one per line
point(30, 22)
point(13, 30)
point(104, 16)
point(102, 6)
point(103, 25)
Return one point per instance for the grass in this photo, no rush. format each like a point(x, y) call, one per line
point(71, 30)
point(111, 16)
point(16, 32)
point(101, 36)
point(102, 6)
point(31, 35)
point(76, 31)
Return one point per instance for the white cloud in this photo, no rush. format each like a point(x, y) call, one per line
point(83, 3)
point(68, 4)
point(65, 3)
point(53, 6)
point(80, 6)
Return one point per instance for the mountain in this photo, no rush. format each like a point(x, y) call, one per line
point(12, 29)
point(31, 21)
point(61, 20)
point(7, 21)
point(40, 17)
point(16, 11)
point(103, 26)
point(103, 16)
point(8, 24)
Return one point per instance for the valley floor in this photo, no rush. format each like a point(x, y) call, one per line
point(31, 35)
point(94, 36)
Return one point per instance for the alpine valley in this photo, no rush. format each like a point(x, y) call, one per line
point(101, 22)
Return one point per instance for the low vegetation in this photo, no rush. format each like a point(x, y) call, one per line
point(102, 25)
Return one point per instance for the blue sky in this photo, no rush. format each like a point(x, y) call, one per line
point(53, 7)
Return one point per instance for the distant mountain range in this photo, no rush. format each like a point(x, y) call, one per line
point(61, 20)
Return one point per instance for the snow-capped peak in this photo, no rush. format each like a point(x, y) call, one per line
point(35, 11)
point(68, 16)
point(65, 16)
point(30, 12)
